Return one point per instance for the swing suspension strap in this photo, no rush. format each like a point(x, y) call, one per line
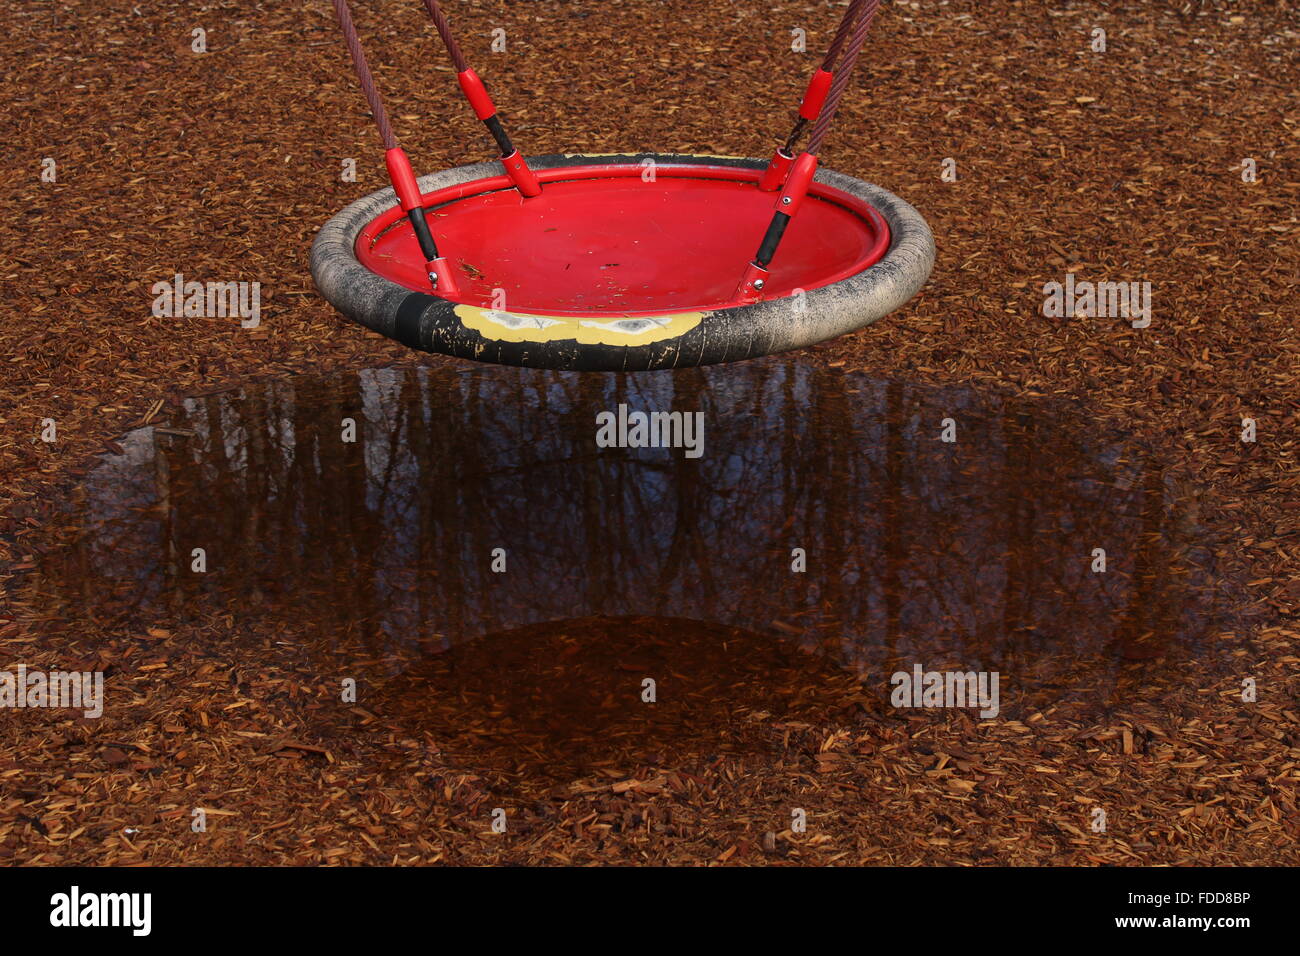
point(481, 102)
point(842, 76)
point(804, 168)
point(811, 106)
point(813, 100)
point(441, 278)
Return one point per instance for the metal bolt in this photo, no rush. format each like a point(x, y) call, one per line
point(759, 283)
point(785, 200)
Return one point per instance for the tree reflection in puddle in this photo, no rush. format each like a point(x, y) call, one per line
point(976, 554)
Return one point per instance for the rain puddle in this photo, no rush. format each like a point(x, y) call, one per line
point(475, 542)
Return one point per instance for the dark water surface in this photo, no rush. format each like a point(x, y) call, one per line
point(973, 555)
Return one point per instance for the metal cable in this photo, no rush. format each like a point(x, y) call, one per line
point(444, 31)
point(828, 66)
point(364, 75)
point(841, 34)
point(843, 75)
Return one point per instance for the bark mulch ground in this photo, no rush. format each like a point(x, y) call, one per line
point(1123, 165)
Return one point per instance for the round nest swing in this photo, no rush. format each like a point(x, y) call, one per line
point(623, 262)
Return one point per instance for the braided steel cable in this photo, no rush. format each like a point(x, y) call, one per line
point(828, 66)
point(448, 38)
point(364, 75)
point(843, 75)
point(841, 34)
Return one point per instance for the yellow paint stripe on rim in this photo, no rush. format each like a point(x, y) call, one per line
point(500, 326)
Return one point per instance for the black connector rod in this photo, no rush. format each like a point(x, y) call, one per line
point(422, 234)
point(772, 239)
point(493, 123)
point(799, 125)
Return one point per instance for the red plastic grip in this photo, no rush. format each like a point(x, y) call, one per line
point(525, 179)
point(796, 186)
point(447, 287)
point(752, 283)
point(403, 177)
point(477, 94)
point(815, 98)
point(777, 171)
